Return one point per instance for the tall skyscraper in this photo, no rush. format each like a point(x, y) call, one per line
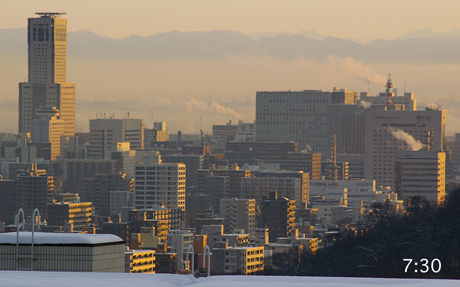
point(47, 54)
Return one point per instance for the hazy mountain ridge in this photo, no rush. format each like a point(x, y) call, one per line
point(429, 48)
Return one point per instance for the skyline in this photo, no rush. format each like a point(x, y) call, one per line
point(163, 89)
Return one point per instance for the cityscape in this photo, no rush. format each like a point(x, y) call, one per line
point(319, 183)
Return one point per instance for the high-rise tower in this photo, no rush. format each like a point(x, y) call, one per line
point(47, 54)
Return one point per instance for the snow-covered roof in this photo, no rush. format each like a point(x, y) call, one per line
point(69, 279)
point(58, 238)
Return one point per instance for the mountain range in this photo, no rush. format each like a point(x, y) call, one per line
point(420, 47)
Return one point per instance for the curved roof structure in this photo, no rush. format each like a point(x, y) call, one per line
point(58, 238)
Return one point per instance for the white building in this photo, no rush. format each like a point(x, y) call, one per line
point(421, 173)
point(239, 214)
point(387, 132)
point(382, 99)
point(159, 184)
point(179, 240)
point(104, 134)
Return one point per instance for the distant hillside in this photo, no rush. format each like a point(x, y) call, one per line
point(423, 46)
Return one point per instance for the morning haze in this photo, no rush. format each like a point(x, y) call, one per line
point(221, 54)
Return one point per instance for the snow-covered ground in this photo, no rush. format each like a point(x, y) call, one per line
point(39, 279)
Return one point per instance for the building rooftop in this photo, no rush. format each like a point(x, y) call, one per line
point(58, 238)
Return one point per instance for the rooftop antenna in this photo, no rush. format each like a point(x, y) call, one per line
point(404, 87)
point(389, 85)
point(128, 115)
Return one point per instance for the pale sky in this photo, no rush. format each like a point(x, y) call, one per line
point(360, 19)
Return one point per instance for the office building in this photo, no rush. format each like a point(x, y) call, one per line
point(96, 189)
point(300, 117)
point(217, 187)
point(224, 133)
point(160, 184)
point(234, 174)
point(140, 261)
point(77, 214)
point(421, 174)
point(104, 134)
point(75, 169)
point(387, 132)
point(179, 240)
point(35, 189)
point(119, 199)
point(285, 154)
point(239, 214)
point(407, 100)
point(47, 55)
point(278, 215)
point(7, 200)
point(192, 163)
point(290, 187)
point(238, 260)
point(48, 128)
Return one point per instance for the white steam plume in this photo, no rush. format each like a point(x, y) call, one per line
point(413, 144)
point(349, 67)
point(365, 105)
point(213, 108)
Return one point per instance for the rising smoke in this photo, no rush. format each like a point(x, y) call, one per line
point(365, 105)
point(349, 67)
point(412, 143)
point(213, 108)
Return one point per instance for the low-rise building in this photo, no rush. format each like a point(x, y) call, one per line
point(64, 252)
point(238, 260)
point(140, 261)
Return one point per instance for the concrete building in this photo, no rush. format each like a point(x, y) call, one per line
point(48, 128)
point(193, 163)
point(119, 199)
point(239, 214)
point(421, 173)
point(300, 117)
point(77, 214)
point(47, 57)
point(355, 164)
point(179, 240)
point(246, 132)
point(217, 187)
point(160, 184)
point(140, 261)
point(224, 133)
point(238, 260)
point(97, 188)
point(104, 134)
point(290, 187)
point(348, 191)
point(7, 200)
point(387, 132)
point(382, 99)
point(35, 189)
point(63, 252)
point(278, 215)
point(75, 169)
point(234, 174)
point(286, 154)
